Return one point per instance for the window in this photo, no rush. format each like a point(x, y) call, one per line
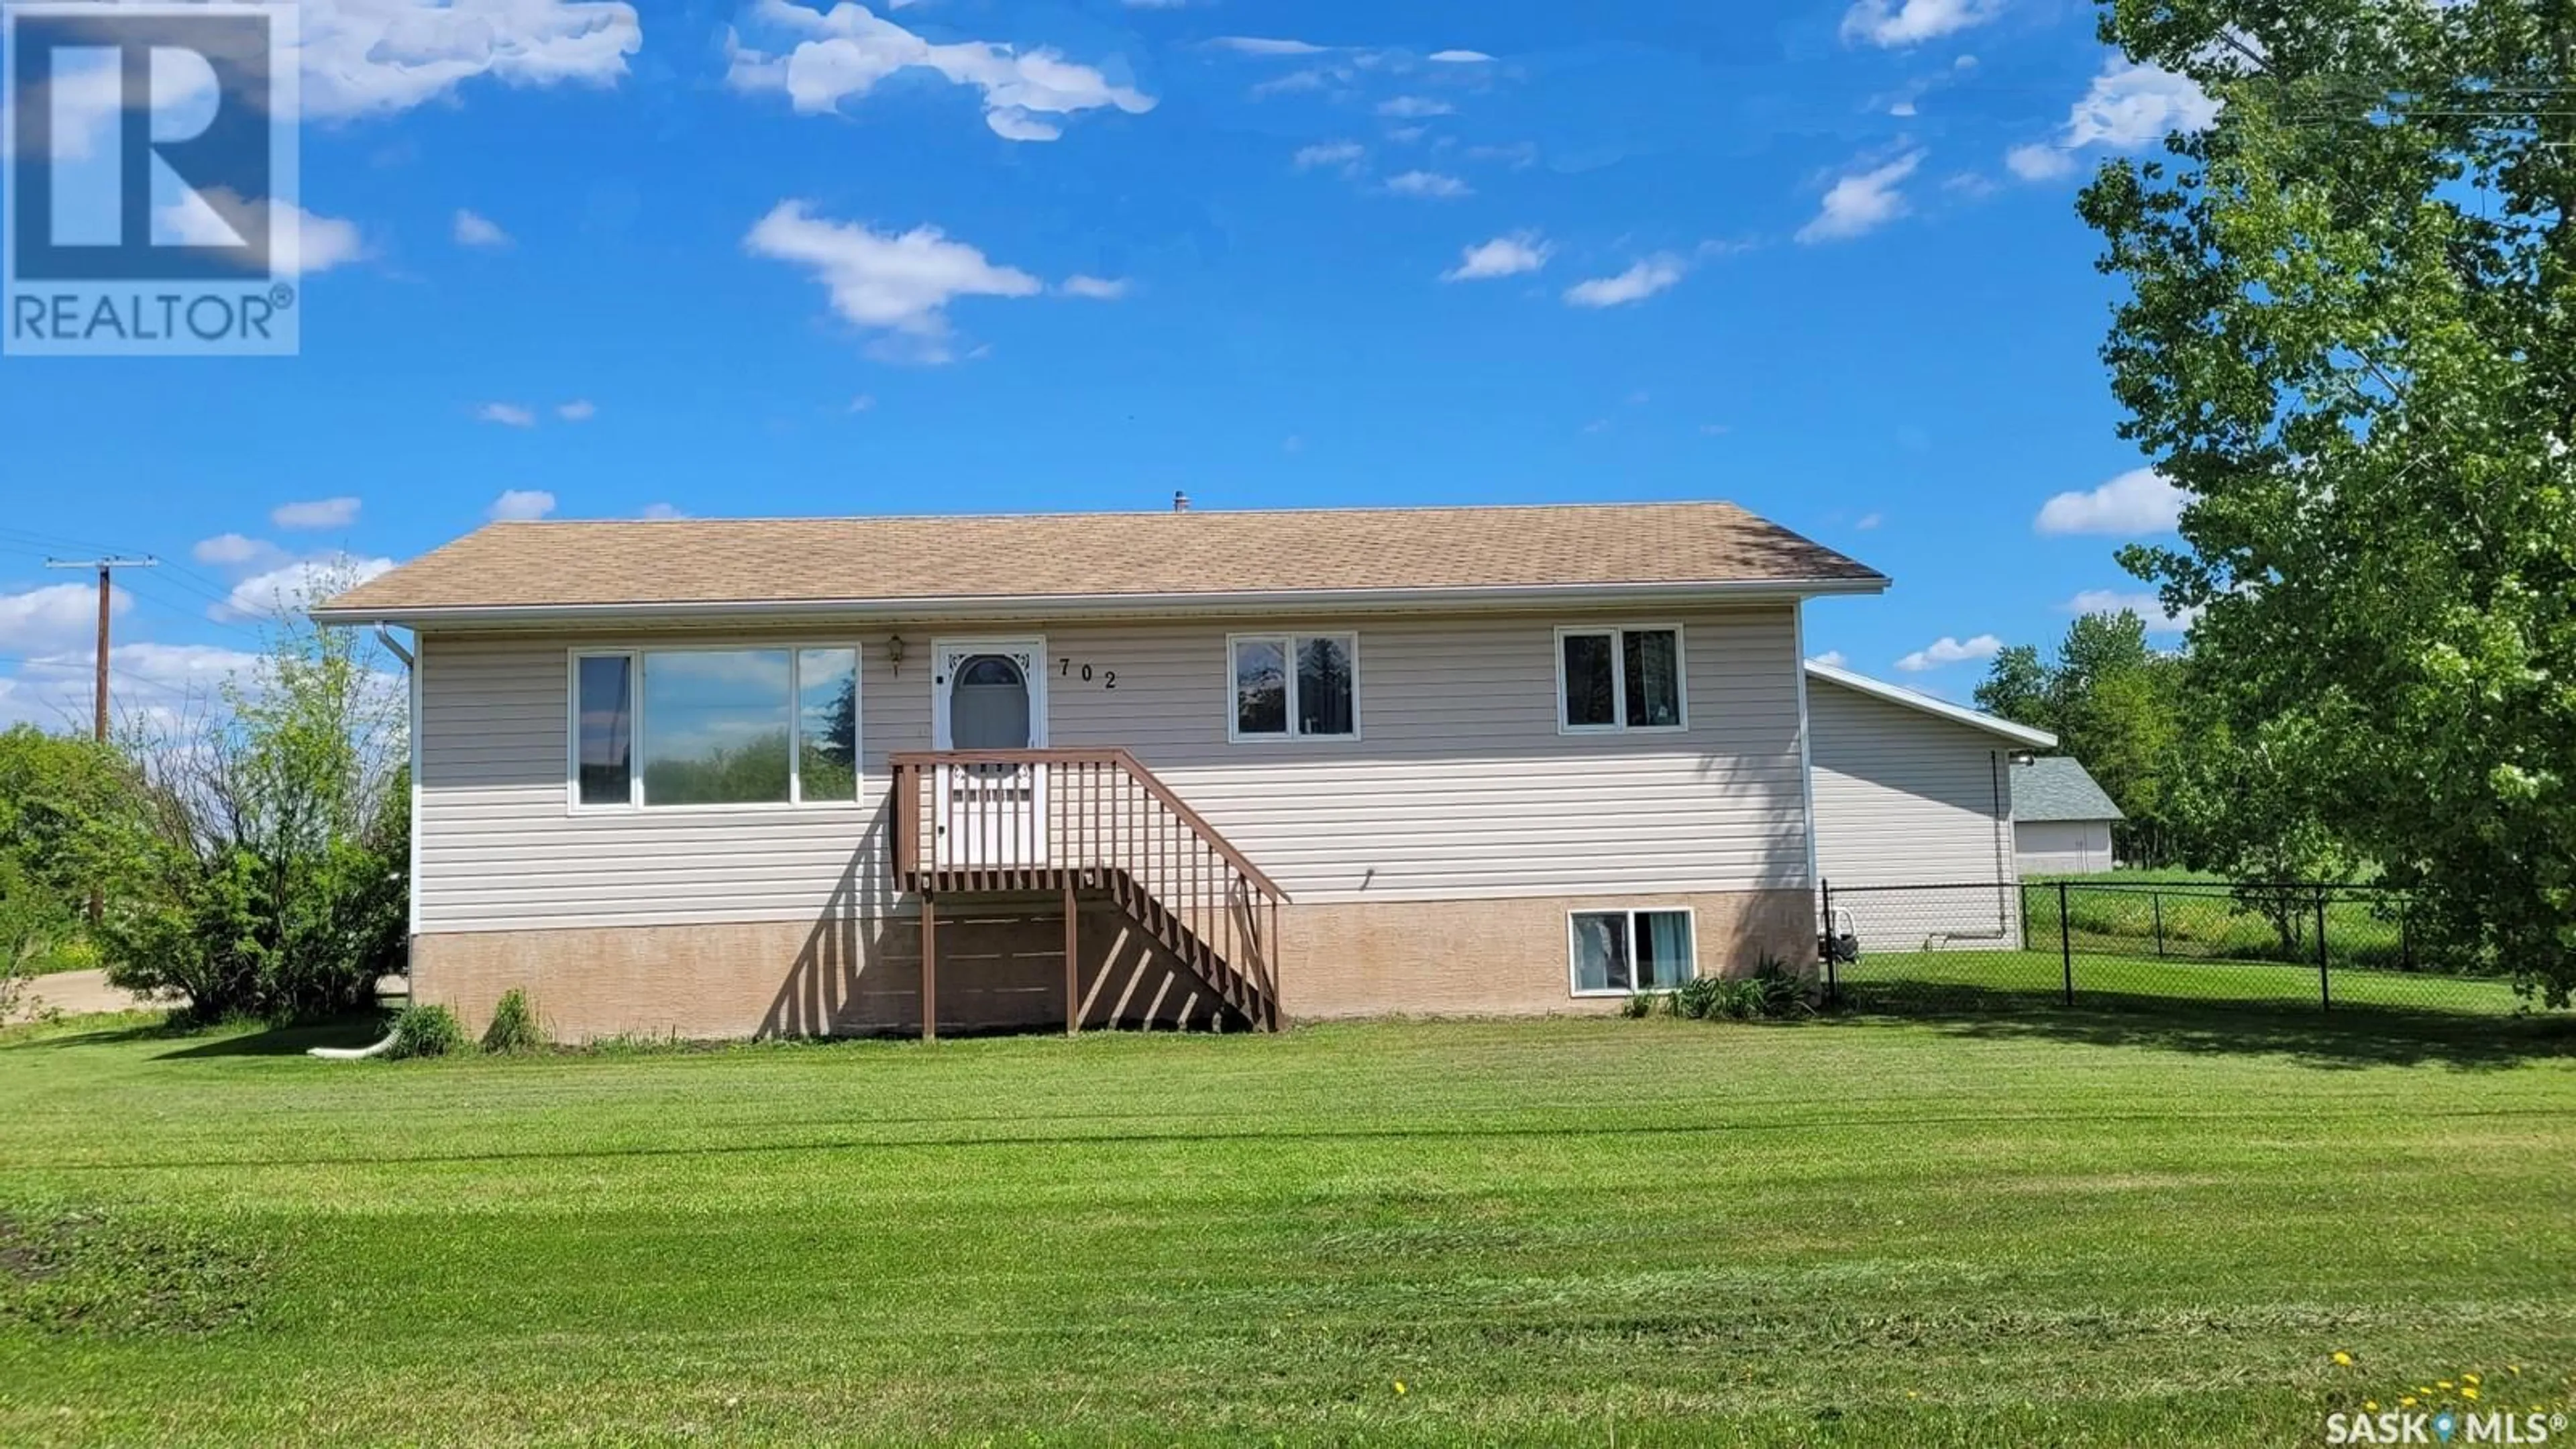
point(1295, 686)
point(680, 727)
point(1620, 952)
point(1619, 679)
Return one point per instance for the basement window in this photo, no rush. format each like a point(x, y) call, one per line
point(1618, 953)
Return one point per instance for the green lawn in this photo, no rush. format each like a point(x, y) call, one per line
point(2124, 979)
point(2038, 1228)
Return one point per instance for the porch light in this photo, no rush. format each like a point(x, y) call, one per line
point(894, 652)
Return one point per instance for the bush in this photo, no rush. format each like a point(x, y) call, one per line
point(427, 1031)
point(1640, 1005)
point(514, 1028)
point(1699, 997)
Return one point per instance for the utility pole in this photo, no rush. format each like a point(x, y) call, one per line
point(106, 568)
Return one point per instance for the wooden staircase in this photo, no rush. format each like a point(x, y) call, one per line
point(1086, 823)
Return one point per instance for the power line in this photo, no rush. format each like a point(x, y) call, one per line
point(106, 565)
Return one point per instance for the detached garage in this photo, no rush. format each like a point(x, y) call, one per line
point(1914, 812)
point(2061, 818)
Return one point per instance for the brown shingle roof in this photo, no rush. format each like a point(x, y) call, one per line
point(1109, 556)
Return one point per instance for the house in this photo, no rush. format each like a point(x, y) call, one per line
point(1914, 812)
point(723, 778)
point(2061, 818)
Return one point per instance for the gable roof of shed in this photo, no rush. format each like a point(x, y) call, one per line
point(1897, 694)
point(2058, 787)
point(1061, 560)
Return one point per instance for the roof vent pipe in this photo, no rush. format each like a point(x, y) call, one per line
point(1180, 502)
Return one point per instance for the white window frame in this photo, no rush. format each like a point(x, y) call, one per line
point(1573, 947)
point(634, 654)
point(1619, 678)
point(1288, 643)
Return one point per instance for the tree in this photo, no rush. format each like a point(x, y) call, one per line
point(56, 793)
point(2113, 703)
point(2350, 336)
point(269, 874)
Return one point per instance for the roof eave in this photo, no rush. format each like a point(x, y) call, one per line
point(1091, 606)
point(1898, 694)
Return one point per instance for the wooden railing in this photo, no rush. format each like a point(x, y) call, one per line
point(1035, 820)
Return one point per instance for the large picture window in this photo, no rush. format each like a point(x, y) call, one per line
point(1295, 686)
point(1620, 952)
point(1609, 680)
point(680, 727)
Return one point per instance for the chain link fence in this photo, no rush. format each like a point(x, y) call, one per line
point(2103, 943)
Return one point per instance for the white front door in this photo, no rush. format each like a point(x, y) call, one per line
point(989, 694)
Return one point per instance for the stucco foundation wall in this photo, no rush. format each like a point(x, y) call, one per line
point(1001, 966)
point(1505, 957)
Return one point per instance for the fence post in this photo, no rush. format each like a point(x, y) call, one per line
point(1825, 939)
point(2406, 933)
point(2021, 889)
point(2325, 983)
point(2065, 943)
point(2156, 902)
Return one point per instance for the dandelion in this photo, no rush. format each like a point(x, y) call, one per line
point(2343, 1359)
point(1399, 1386)
point(2468, 1393)
point(2470, 1379)
point(2370, 1406)
point(2441, 1383)
point(2514, 1369)
point(2407, 1402)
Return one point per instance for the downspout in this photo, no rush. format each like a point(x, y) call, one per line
point(411, 894)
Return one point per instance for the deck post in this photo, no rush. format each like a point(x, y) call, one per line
point(929, 967)
point(1072, 961)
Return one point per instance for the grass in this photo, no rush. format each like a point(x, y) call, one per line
point(2067, 1227)
point(2124, 979)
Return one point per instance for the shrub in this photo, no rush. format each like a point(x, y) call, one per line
point(1699, 997)
point(514, 1026)
point(1641, 1004)
point(427, 1031)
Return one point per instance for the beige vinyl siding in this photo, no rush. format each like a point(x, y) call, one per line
point(1459, 786)
point(2063, 847)
point(1904, 797)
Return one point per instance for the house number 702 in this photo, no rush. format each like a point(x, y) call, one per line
point(1064, 669)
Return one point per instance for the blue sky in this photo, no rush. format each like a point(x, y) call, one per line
point(587, 260)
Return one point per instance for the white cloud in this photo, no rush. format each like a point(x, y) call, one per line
point(55, 616)
point(2126, 108)
point(518, 505)
point(2036, 162)
point(475, 230)
point(291, 587)
point(1862, 201)
point(1946, 650)
point(579, 410)
point(1264, 45)
point(661, 512)
point(1414, 107)
point(1831, 659)
point(1867, 521)
point(1643, 279)
point(236, 551)
point(2138, 501)
point(1911, 22)
point(1504, 256)
point(2145, 605)
point(1102, 289)
point(1309, 79)
point(862, 403)
point(508, 415)
point(845, 51)
point(151, 681)
point(1329, 153)
point(1428, 183)
point(899, 284)
point(300, 242)
point(364, 56)
point(1459, 57)
point(318, 513)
